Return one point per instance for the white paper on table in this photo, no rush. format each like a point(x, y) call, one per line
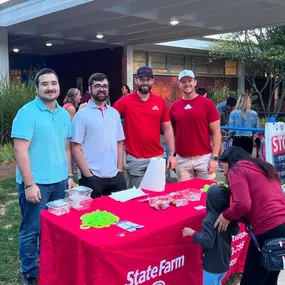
point(129, 194)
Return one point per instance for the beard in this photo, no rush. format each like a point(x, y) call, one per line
point(99, 97)
point(144, 89)
point(46, 97)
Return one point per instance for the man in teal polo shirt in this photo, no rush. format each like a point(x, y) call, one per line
point(41, 131)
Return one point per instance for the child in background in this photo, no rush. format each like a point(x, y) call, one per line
point(259, 143)
point(216, 245)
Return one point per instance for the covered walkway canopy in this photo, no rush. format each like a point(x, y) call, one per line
point(74, 25)
point(52, 27)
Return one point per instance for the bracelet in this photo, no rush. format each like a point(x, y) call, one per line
point(70, 176)
point(28, 186)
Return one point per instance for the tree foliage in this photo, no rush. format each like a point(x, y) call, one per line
point(262, 51)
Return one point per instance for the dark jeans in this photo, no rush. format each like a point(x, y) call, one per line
point(254, 273)
point(244, 142)
point(30, 224)
point(104, 186)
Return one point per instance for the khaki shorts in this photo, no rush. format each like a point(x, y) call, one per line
point(194, 167)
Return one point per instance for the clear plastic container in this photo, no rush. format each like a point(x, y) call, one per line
point(79, 190)
point(159, 203)
point(59, 207)
point(79, 197)
point(82, 204)
point(178, 199)
point(192, 194)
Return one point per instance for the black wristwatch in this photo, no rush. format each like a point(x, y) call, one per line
point(214, 157)
point(172, 154)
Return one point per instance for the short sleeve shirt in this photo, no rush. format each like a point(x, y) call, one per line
point(142, 123)
point(98, 131)
point(47, 133)
point(191, 121)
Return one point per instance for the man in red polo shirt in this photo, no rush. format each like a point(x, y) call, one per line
point(195, 119)
point(144, 113)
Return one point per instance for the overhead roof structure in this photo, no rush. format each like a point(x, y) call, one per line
point(73, 25)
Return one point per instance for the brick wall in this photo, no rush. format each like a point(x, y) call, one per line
point(166, 86)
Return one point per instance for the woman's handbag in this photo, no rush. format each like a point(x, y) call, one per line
point(272, 252)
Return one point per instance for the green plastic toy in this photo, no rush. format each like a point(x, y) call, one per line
point(224, 184)
point(98, 219)
point(207, 186)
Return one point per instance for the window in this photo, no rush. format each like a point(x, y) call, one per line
point(231, 67)
point(176, 63)
point(159, 62)
point(140, 59)
point(201, 65)
point(217, 67)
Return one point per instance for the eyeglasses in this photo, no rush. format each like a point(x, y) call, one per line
point(99, 86)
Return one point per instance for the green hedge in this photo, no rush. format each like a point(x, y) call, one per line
point(13, 95)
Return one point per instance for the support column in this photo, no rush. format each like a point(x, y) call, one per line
point(129, 70)
point(241, 76)
point(4, 54)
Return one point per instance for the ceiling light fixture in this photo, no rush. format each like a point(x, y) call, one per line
point(99, 36)
point(48, 44)
point(16, 50)
point(174, 22)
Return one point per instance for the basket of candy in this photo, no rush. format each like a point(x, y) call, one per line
point(159, 203)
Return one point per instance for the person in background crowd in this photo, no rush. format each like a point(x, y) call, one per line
point(222, 107)
point(41, 133)
point(225, 115)
point(144, 113)
point(259, 143)
point(258, 199)
point(97, 141)
point(202, 92)
point(217, 246)
point(125, 90)
point(194, 119)
point(72, 101)
point(86, 97)
point(244, 117)
point(224, 118)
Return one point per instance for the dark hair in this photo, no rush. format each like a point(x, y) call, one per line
point(127, 87)
point(97, 77)
point(231, 101)
point(42, 72)
point(235, 154)
point(71, 93)
point(201, 91)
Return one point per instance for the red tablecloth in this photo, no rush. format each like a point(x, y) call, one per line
point(154, 255)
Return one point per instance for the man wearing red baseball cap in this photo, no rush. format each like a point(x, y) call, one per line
point(144, 113)
point(195, 119)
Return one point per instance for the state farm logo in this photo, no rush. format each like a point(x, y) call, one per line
point(141, 276)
